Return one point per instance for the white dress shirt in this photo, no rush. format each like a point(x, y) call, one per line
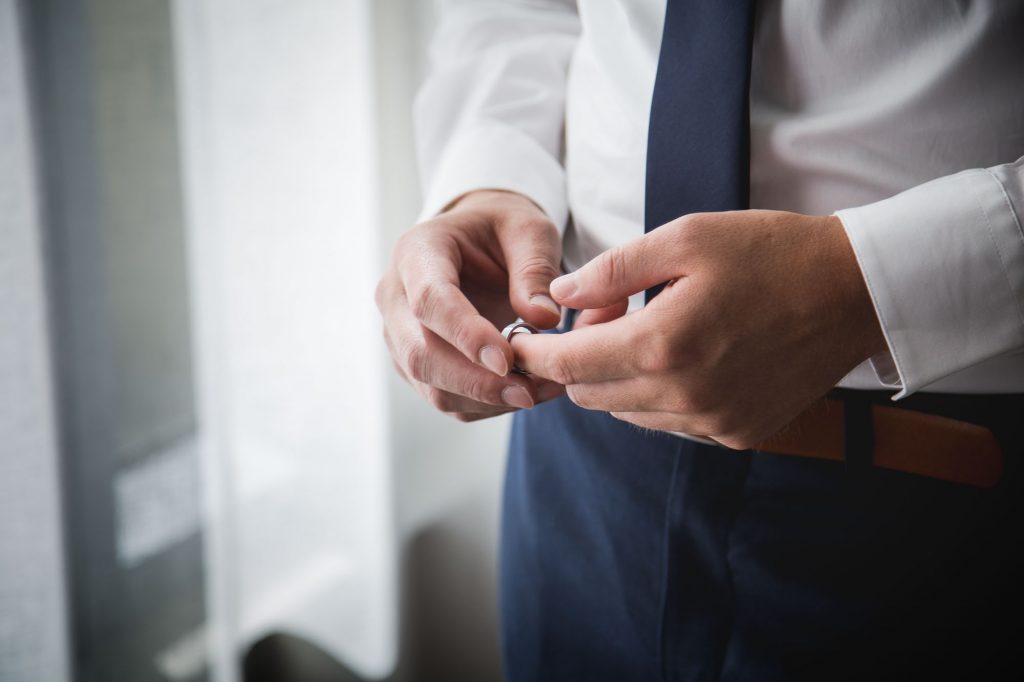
point(904, 119)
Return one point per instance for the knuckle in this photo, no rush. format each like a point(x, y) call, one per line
point(677, 399)
point(414, 358)
point(536, 266)
point(700, 403)
point(537, 224)
point(580, 396)
point(464, 417)
point(693, 230)
point(738, 441)
point(612, 266)
point(733, 423)
point(659, 354)
point(484, 391)
point(438, 399)
point(424, 301)
point(404, 242)
point(527, 220)
point(560, 368)
point(692, 222)
point(464, 336)
point(418, 232)
point(477, 389)
point(720, 423)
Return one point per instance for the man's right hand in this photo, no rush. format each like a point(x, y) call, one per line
point(453, 282)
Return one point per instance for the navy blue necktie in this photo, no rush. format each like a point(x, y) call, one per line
point(698, 144)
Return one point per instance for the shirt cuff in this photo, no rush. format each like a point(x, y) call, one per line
point(944, 265)
point(498, 157)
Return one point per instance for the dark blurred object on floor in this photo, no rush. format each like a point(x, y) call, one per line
point(284, 658)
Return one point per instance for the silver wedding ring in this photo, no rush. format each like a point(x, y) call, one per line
point(518, 328)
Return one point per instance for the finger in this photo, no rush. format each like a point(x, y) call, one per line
point(430, 279)
point(533, 251)
point(468, 417)
point(459, 407)
point(622, 395)
point(549, 390)
point(462, 408)
point(452, 403)
point(593, 354)
point(600, 315)
point(621, 271)
point(425, 357)
point(466, 409)
point(665, 421)
point(472, 411)
point(394, 357)
point(399, 371)
point(661, 421)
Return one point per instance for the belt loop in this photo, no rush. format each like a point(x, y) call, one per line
point(858, 434)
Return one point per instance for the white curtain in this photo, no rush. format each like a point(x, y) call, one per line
point(282, 195)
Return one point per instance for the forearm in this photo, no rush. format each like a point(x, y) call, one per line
point(491, 113)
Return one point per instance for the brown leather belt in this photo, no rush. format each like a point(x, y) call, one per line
point(904, 440)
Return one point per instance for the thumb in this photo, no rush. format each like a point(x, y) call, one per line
point(618, 273)
point(533, 252)
point(592, 316)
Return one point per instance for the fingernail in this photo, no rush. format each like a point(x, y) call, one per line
point(546, 303)
point(494, 360)
point(516, 396)
point(564, 286)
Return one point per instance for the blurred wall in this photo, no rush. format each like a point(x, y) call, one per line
point(262, 162)
point(102, 72)
point(33, 622)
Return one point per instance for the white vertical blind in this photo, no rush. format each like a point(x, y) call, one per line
point(281, 186)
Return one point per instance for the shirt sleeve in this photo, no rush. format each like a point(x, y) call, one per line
point(944, 264)
point(491, 113)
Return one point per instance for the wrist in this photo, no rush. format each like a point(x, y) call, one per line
point(489, 198)
point(861, 320)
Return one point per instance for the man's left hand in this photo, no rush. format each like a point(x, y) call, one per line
point(764, 312)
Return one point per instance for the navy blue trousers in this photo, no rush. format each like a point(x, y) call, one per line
point(631, 555)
